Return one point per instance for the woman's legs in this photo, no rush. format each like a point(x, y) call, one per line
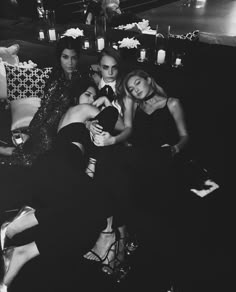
point(107, 118)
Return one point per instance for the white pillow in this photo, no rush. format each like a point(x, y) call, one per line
point(22, 111)
point(9, 54)
point(3, 81)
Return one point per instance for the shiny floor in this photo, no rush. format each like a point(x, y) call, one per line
point(214, 16)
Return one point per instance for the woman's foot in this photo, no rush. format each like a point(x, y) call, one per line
point(90, 170)
point(3, 288)
point(101, 249)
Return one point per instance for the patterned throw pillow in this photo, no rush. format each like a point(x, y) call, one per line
point(26, 82)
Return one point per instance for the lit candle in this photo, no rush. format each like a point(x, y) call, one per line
point(115, 46)
point(41, 35)
point(52, 34)
point(100, 43)
point(86, 44)
point(177, 62)
point(161, 56)
point(143, 54)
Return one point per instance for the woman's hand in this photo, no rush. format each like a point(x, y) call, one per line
point(8, 151)
point(24, 137)
point(93, 127)
point(103, 139)
point(103, 100)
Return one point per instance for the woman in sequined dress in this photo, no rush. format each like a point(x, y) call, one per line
point(58, 96)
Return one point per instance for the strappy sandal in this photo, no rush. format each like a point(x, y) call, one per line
point(97, 257)
point(3, 237)
point(118, 268)
point(90, 170)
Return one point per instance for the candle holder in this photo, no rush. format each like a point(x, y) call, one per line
point(161, 44)
point(52, 35)
point(50, 20)
point(41, 35)
point(160, 57)
point(177, 59)
point(100, 43)
point(86, 44)
point(142, 55)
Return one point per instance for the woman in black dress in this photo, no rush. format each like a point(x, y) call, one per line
point(64, 198)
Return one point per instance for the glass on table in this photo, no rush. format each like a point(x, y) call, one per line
point(142, 55)
point(86, 44)
point(18, 138)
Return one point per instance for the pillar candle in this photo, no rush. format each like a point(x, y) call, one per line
point(143, 54)
point(100, 43)
point(41, 35)
point(52, 34)
point(86, 44)
point(161, 56)
point(177, 62)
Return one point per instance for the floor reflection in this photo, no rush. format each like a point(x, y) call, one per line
point(214, 16)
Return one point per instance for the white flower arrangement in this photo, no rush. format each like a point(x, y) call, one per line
point(73, 32)
point(129, 43)
point(30, 64)
point(142, 25)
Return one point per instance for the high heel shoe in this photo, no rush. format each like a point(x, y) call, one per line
point(96, 257)
point(23, 211)
point(7, 257)
point(116, 267)
point(109, 262)
point(3, 288)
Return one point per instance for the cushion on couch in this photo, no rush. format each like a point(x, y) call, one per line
point(8, 55)
point(22, 111)
point(3, 81)
point(26, 82)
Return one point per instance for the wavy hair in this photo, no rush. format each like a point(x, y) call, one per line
point(62, 44)
point(124, 91)
point(80, 87)
point(143, 74)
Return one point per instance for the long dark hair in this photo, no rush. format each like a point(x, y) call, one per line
point(62, 44)
point(80, 87)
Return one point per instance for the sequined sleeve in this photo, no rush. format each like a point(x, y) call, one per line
point(43, 127)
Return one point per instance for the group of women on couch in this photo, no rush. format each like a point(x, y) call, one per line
point(74, 124)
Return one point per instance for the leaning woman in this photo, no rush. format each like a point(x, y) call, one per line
point(57, 98)
point(159, 135)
